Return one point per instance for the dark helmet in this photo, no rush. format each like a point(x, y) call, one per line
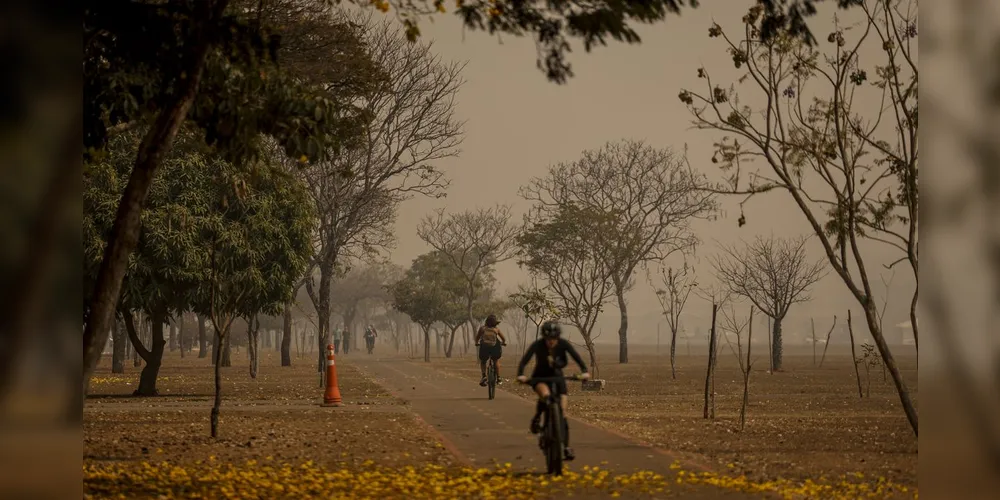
point(491, 321)
point(551, 330)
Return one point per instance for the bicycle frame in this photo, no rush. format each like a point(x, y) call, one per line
point(491, 378)
point(491, 374)
point(552, 439)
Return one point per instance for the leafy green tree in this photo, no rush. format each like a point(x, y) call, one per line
point(536, 304)
point(432, 290)
point(169, 261)
point(555, 24)
point(563, 247)
point(164, 64)
point(257, 241)
point(473, 241)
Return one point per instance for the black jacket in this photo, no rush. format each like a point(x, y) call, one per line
point(550, 364)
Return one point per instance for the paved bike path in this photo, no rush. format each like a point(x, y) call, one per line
point(481, 432)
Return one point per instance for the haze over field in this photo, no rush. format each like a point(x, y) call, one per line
point(517, 124)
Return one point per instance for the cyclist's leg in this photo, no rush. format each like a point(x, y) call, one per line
point(483, 356)
point(563, 404)
point(542, 390)
point(497, 354)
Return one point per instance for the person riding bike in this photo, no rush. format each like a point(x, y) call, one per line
point(489, 348)
point(550, 353)
point(370, 334)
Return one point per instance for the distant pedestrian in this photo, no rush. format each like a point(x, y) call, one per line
point(336, 341)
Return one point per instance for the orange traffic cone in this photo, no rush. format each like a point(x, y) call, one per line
point(332, 395)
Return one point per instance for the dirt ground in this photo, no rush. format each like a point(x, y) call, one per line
point(256, 419)
point(805, 422)
point(276, 441)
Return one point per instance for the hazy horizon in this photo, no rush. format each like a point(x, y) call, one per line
point(517, 124)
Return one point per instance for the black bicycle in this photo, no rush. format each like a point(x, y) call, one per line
point(552, 441)
point(491, 375)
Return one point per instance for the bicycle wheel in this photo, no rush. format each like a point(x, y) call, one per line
point(491, 378)
point(554, 454)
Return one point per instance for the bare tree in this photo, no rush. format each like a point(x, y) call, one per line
point(773, 273)
point(413, 127)
point(650, 193)
point(826, 344)
point(519, 324)
point(733, 325)
point(677, 287)
point(854, 354)
point(474, 241)
point(847, 181)
point(718, 296)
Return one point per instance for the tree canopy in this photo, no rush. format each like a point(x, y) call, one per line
point(554, 25)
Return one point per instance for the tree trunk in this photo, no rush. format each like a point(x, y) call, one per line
point(746, 374)
point(215, 346)
point(202, 340)
point(124, 234)
point(217, 403)
point(776, 349)
point(172, 326)
point(673, 353)
point(147, 379)
point(854, 354)
point(711, 367)
point(623, 327)
point(427, 343)
point(812, 323)
point(180, 336)
point(129, 351)
point(770, 348)
point(451, 343)
point(890, 363)
point(592, 352)
point(827, 344)
point(253, 344)
point(286, 336)
point(323, 314)
point(454, 330)
point(136, 359)
point(913, 318)
point(465, 339)
point(227, 352)
point(118, 349)
point(138, 348)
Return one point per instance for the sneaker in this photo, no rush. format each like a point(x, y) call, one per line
point(568, 454)
point(482, 382)
point(536, 424)
point(499, 381)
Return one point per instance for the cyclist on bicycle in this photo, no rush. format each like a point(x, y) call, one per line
point(489, 348)
point(550, 353)
point(370, 334)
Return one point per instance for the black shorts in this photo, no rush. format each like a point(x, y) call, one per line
point(487, 351)
point(560, 385)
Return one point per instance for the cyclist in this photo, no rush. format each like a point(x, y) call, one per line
point(489, 348)
point(370, 334)
point(550, 353)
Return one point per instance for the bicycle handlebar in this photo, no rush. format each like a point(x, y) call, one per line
point(575, 376)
